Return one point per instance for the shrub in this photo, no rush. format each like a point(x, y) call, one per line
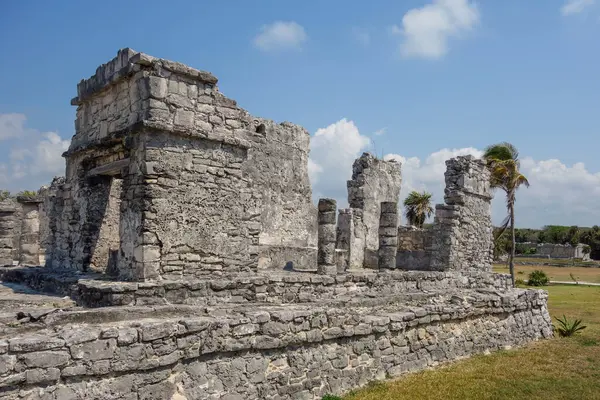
point(331, 397)
point(538, 278)
point(519, 282)
point(27, 194)
point(568, 328)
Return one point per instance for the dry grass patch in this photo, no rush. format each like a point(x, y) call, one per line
point(582, 274)
point(560, 368)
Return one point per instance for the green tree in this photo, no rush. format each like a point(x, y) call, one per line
point(503, 162)
point(574, 236)
point(4, 194)
point(417, 208)
point(541, 237)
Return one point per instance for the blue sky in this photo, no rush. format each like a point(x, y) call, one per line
point(419, 80)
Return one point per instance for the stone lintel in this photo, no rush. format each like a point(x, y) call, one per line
point(111, 169)
point(127, 63)
point(137, 127)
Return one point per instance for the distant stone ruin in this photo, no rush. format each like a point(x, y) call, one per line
point(554, 250)
point(184, 259)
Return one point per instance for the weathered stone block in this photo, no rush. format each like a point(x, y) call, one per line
point(96, 350)
point(158, 87)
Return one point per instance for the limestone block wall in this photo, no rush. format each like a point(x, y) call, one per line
point(56, 207)
point(135, 96)
point(552, 250)
point(278, 165)
point(263, 352)
point(29, 241)
point(8, 231)
point(462, 232)
point(414, 248)
point(373, 181)
point(82, 211)
point(200, 214)
point(271, 287)
point(44, 222)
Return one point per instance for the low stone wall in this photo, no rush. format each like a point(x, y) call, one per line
point(553, 250)
point(287, 257)
point(414, 248)
point(273, 288)
point(416, 260)
point(294, 352)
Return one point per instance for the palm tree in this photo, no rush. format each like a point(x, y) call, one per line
point(418, 208)
point(503, 162)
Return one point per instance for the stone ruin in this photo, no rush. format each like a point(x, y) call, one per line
point(553, 250)
point(184, 259)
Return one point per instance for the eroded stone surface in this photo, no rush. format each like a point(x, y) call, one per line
point(8, 231)
point(462, 233)
point(267, 352)
point(205, 187)
point(373, 181)
point(179, 231)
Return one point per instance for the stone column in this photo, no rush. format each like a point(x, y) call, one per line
point(373, 181)
point(326, 240)
point(388, 235)
point(29, 247)
point(8, 224)
point(462, 232)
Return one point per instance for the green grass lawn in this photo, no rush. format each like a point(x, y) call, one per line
point(559, 368)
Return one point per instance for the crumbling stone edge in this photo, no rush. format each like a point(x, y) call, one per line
point(286, 353)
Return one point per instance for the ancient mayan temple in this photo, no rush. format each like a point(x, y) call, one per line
point(181, 257)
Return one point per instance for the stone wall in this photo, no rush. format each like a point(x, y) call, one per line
point(133, 116)
point(462, 232)
point(29, 241)
point(275, 287)
point(414, 248)
point(8, 231)
point(277, 164)
point(204, 217)
point(552, 250)
point(373, 181)
point(57, 208)
point(263, 352)
point(44, 218)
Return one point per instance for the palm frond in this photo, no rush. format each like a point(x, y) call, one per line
point(418, 207)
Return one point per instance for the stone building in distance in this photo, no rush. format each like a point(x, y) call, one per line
point(193, 264)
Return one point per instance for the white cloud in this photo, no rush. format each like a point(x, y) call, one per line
point(559, 194)
point(332, 151)
point(426, 31)
point(280, 35)
point(362, 36)
point(380, 132)
point(572, 7)
point(11, 125)
point(32, 158)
